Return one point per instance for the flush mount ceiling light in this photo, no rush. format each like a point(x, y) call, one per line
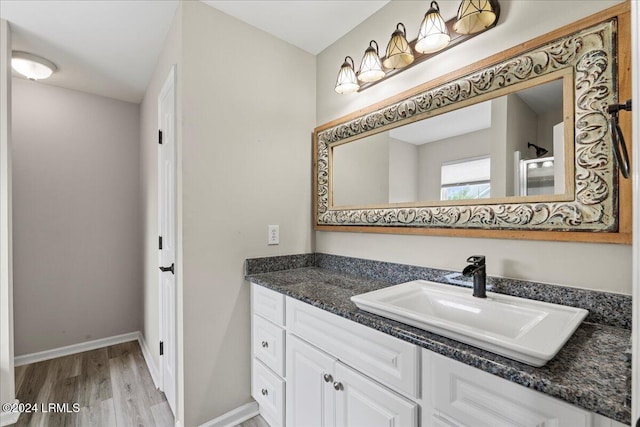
point(475, 16)
point(434, 34)
point(399, 52)
point(371, 67)
point(32, 66)
point(347, 81)
point(434, 37)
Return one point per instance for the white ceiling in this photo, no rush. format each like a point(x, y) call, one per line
point(110, 47)
point(457, 122)
point(544, 98)
point(312, 25)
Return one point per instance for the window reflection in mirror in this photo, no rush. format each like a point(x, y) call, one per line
point(479, 151)
point(466, 179)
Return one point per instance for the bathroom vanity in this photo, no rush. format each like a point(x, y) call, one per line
point(319, 360)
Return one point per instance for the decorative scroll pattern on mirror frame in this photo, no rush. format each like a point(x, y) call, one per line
point(592, 55)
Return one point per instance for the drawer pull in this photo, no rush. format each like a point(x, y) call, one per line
point(328, 378)
point(265, 344)
point(265, 392)
point(338, 386)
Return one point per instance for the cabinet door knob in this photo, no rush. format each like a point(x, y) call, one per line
point(328, 378)
point(338, 386)
point(265, 392)
point(265, 344)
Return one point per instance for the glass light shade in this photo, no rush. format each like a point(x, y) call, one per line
point(371, 67)
point(347, 81)
point(433, 35)
point(474, 16)
point(31, 66)
point(399, 52)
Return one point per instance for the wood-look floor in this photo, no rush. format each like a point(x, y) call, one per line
point(112, 387)
point(257, 421)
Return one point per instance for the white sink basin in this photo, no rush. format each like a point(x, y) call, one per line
point(525, 330)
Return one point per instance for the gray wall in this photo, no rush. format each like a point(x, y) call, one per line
point(522, 128)
point(76, 222)
point(546, 122)
point(361, 172)
point(244, 162)
point(246, 156)
point(403, 171)
point(552, 262)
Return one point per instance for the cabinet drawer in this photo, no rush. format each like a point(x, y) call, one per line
point(268, 344)
point(475, 398)
point(268, 390)
point(393, 362)
point(268, 304)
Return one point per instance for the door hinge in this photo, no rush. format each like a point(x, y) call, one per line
point(159, 137)
point(159, 242)
point(161, 348)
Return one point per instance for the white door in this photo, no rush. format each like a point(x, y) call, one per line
point(309, 396)
point(361, 402)
point(167, 235)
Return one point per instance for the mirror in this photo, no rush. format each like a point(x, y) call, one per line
point(433, 159)
point(505, 147)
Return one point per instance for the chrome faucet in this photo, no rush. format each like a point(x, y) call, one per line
point(478, 270)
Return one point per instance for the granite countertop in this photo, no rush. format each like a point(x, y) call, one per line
point(591, 371)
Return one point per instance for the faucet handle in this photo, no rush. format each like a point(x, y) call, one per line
point(476, 260)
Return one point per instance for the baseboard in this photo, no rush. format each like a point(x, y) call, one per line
point(9, 418)
point(153, 369)
point(74, 348)
point(235, 417)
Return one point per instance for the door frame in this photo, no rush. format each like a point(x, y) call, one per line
point(635, 151)
point(170, 82)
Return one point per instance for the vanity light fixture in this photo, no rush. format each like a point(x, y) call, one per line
point(539, 150)
point(399, 53)
point(434, 34)
point(475, 16)
point(347, 81)
point(32, 66)
point(371, 67)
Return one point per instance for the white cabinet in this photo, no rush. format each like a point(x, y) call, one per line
point(312, 368)
point(458, 395)
point(389, 360)
point(267, 353)
point(361, 402)
point(309, 385)
point(323, 392)
point(268, 304)
point(268, 389)
point(268, 344)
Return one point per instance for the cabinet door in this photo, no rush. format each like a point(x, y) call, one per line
point(361, 402)
point(309, 385)
point(475, 398)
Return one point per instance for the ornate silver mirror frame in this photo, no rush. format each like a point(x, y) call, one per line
point(590, 54)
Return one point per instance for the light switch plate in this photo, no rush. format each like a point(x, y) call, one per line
point(274, 235)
